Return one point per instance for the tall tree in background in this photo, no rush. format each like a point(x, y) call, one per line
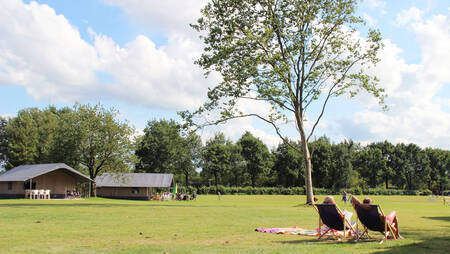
point(3, 142)
point(188, 156)
point(370, 163)
point(216, 158)
point(159, 147)
point(102, 142)
point(341, 170)
point(387, 150)
point(321, 162)
point(31, 137)
point(288, 165)
point(439, 160)
point(237, 175)
point(289, 54)
point(256, 155)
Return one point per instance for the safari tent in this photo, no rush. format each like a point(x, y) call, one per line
point(56, 177)
point(131, 185)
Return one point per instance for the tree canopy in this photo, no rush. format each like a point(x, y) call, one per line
point(290, 55)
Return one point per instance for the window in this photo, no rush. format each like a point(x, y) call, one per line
point(135, 190)
point(9, 185)
point(26, 185)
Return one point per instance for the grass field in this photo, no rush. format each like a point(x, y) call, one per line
point(206, 225)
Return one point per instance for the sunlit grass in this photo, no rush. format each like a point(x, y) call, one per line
point(206, 225)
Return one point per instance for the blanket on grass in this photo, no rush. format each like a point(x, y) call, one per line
point(300, 231)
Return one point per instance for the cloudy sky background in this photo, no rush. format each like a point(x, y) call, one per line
point(137, 56)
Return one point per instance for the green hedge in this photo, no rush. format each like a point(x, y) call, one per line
point(248, 190)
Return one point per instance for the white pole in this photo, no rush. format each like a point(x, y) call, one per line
point(89, 196)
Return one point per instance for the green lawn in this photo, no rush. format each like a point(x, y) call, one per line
point(207, 225)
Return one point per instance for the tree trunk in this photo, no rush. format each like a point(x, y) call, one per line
point(387, 182)
point(187, 179)
point(215, 180)
point(308, 168)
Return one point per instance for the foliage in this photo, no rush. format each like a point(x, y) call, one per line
point(288, 165)
point(256, 156)
point(288, 54)
point(3, 142)
point(158, 148)
point(31, 136)
point(88, 138)
point(216, 158)
point(103, 143)
point(163, 149)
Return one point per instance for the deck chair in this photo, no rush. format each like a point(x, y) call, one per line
point(331, 216)
point(371, 220)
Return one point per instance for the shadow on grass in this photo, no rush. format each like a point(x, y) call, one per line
point(316, 241)
point(427, 243)
point(447, 218)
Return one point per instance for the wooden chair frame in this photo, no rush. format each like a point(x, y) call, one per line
point(388, 228)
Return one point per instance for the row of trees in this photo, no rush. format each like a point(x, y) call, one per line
point(93, 140)
point(88, 138)
point(249, 162)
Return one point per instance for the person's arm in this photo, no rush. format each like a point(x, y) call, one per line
point(356, 202)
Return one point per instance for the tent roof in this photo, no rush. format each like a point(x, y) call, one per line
point(25, 172)
point(134, 180)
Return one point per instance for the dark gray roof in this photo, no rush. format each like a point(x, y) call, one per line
point(26, 172)
point(134, 180)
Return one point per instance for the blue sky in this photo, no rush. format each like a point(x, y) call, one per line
point(137, 56)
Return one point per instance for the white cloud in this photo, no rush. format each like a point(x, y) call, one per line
point(376, 4)
point(44, 53)
point(415, 101)
point(411, 15)
point(168, 16)
point(41, 51)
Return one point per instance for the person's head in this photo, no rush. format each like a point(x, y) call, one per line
point(329, 200)
point(367, 201)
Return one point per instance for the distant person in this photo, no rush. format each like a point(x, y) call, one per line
point(344, 197)
point(218, 194)
point(194, 195)
point(391, 217)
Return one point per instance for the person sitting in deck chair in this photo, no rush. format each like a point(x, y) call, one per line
point(335, 219)
point(389, 220)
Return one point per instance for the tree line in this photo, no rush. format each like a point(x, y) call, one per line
point(94, 140)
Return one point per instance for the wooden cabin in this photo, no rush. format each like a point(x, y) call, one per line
point(139, 186)
point(56, 177)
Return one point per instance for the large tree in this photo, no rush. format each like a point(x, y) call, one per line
point(189, 155)
point(288, 165)
point(158, 150)
point(30, 137)
point(3, 141)
point(100, 141)
point(256, 155)
point(289, 54)
point(216, 156)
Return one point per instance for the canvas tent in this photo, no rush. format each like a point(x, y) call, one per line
point(131, 185)
point(56, 177)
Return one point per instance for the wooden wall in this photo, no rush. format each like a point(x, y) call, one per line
point(124, 192)
point(17, 188)
point(56, 181)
